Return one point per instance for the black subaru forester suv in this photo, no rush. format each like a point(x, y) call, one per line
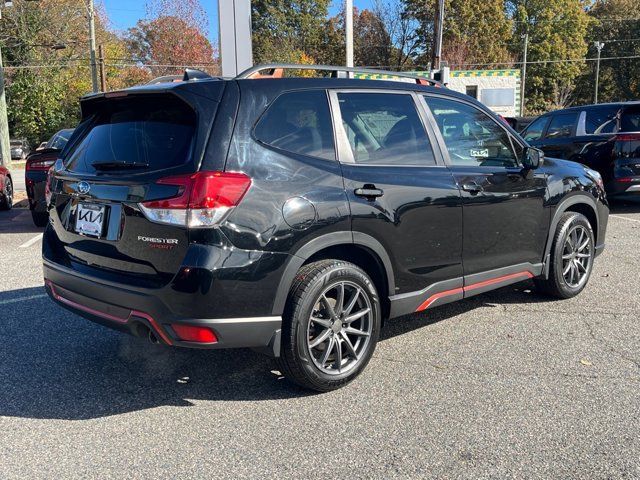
point(294, 215)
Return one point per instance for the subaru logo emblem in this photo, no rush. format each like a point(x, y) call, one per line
point(84, 187)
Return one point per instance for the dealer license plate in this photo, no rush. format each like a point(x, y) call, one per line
point(89, 219)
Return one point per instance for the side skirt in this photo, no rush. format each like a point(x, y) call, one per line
point(448, 291)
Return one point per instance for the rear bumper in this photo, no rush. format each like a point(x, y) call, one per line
point(126, 309)
point(617, 188)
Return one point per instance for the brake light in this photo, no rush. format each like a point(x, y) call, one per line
point(40, 165)
point(628, 137)
point(204, 199)
point(47, 186)
point(190, 333)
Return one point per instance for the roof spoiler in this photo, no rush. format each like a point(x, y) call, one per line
point(276, 70)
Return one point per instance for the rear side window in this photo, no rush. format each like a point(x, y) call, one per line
point(630, 119)
point(148, 133)
point(536, 129)
point(601, 120)
point(384, 129)
point(561, 125)
point(299, 122)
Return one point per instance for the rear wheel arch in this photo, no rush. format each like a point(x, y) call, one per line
point(360, 249)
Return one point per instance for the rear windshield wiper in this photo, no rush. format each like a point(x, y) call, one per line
point(113, 165)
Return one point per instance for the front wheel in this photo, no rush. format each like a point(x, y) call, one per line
point(331, 325)
point(572, 254)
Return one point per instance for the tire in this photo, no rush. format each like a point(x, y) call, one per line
point(573, 244)
point(6, 202)
point(315, 292)
point(40, 219)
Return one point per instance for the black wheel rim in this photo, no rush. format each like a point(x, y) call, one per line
point(577, 256)
point(340, 327)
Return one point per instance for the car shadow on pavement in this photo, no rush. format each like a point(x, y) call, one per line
point(624, 206)
point(56, 365)
point(18, 220)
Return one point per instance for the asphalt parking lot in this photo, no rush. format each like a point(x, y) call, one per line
point(504, 385)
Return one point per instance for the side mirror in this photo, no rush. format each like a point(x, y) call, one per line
point(533, 158)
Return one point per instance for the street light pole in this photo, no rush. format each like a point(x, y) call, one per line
point(524, 73)
point(599, 46)
point(348, 27)
point(5, 148)
point(437, 38)
point(92, 45)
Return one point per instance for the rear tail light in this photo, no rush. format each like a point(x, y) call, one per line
point(204, 199)
point(189, 333)
point(628, 137)
point(626, 179)
point(47, 186)
point(40, 165)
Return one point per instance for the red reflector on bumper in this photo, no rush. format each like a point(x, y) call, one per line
point(189, 333)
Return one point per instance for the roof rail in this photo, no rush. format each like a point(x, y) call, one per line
point(276, 70)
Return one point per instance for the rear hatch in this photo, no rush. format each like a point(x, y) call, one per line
point(126, 144)
point(627, 145)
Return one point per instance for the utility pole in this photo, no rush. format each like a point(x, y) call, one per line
point(103, 75)
point(92, 45)
point(348, 27)
point(599, 46)
point(437, 37)
point(5, 148)
point(524, 73)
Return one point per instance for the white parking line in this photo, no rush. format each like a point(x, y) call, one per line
point(625, 218)
point(28, 243)
point(22, 299)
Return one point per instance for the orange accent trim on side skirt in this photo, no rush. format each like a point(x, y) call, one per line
point(427, 303)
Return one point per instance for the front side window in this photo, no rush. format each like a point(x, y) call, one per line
point(534, 131)
point(561, 125)
point(299, 122)
point(384, 129)
point(471, 136)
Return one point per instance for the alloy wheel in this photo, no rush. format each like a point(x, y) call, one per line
point(340, 327)
point(577, 256)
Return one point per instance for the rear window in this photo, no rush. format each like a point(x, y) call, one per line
point(144, 133)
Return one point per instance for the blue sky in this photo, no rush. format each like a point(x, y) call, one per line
point(125, 13)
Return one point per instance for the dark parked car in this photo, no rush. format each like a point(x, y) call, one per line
point(19, 149)
point(6, 188)
point(604, 137)
point(35, 174)
point(294, 215)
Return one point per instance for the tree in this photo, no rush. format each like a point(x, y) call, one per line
point(557, 30)
point(619, 79)
point(43, 84)
point(483, 29)
point(175, 35)
point(288, 30)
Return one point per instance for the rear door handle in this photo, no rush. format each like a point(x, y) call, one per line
point(472, 187)
point(368, 191)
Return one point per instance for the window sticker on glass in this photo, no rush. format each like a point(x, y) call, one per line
point(480, 153)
